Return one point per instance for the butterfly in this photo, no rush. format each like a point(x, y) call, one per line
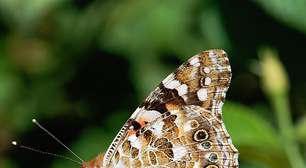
point(179, 125)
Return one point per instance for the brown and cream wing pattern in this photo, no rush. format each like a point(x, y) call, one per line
point(184, 137)
point(180, 123)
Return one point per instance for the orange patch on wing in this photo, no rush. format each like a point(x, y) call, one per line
point(142, 122)
point(170, 107)
point(131, 132)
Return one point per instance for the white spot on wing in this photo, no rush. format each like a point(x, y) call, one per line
point(197, 64)
point(135, 142)
point(206, 70)
point(207, 81)
point(149, 115)
point(172, 84)
point(187, 126)
point(202, 94)
point(179, 152)
point(196, 164)
point(213, 57)
point(157, 128)
point(132, 138)
point(182, 89)
point(168, 78)
point(194, 61)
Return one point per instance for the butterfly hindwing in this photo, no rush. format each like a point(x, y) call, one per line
point(185, 136)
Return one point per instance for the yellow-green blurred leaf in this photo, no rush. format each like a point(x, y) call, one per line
point(301, 130)
point(274, 76)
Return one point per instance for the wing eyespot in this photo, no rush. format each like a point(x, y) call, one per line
point(212, 157)
point(206, 145)
point(200, 135)
point(194, 124)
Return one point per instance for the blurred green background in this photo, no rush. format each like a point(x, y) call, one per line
point(81, 67)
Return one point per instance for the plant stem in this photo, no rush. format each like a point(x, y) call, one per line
point(281, 105)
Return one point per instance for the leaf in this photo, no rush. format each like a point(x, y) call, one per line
point(247, 128)
point(291, 12)
point(160, 24)
point(28, 11)
point(177, 26)
point(253, 136)
point(301, 130)
point(213, 30)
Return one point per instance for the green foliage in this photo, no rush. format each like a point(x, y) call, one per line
point(301, 130)
point(253, 135)
point(292, 13)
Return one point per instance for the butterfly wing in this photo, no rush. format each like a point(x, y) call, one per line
point(185, 136)
point(180, 122)
point(203, 80)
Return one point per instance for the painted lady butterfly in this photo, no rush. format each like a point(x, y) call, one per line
point(180, 122)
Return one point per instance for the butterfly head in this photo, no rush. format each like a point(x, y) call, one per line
point(94, 163)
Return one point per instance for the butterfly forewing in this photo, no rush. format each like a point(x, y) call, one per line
point(180, 123)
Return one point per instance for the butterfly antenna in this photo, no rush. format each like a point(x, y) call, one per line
point(44, 152)
point(54, 137)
